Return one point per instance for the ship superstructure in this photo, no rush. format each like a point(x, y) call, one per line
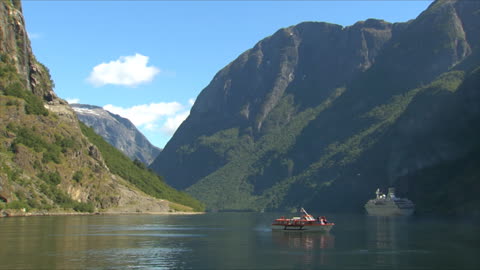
point(389, 205)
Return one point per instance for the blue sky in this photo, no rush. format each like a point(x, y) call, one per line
point(149, 60)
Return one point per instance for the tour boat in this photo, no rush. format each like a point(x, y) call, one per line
point(305, 223)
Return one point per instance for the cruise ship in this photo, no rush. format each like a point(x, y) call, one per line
point(389, 205)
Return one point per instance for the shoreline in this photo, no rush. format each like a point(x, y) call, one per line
point(18, 213)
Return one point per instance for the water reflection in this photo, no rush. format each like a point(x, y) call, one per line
point(386, 238)
point(308, 247)
point(90, 243)
point(382, 233)
point(234, 241)
point(304, 240)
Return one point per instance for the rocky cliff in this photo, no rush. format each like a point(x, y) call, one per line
point(15, 49)
point(320, 115)
point(118, 131)
point(47, 163)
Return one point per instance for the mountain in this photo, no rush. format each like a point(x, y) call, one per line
point(49, 161)
point(118, 131)
point(319, 115)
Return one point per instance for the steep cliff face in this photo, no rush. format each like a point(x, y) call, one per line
point(46, 161)
point(248, 89)
point(307, 63)
point(118, 131)
point(321, 115)
point(15, 48)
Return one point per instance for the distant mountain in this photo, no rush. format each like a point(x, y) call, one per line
point(319, 115)
point(118, 131)
point(51, 162)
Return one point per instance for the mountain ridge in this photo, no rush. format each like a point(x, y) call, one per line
point(296, 120)
point(118, 131)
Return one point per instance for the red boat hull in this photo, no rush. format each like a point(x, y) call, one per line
point(301, 225)
point(313, 228)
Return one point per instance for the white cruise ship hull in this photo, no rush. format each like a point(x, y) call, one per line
point(389, 211)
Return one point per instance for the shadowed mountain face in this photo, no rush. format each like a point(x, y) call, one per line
point(320, 115)
point(118, 131)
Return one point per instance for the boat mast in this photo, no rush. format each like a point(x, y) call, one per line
point(307, 216)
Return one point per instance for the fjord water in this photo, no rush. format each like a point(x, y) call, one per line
point(235, 241)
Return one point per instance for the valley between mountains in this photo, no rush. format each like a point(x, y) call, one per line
point(316, 115)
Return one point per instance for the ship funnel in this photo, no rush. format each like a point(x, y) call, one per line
point(391, 192)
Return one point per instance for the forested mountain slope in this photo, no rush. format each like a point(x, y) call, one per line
point(320, 115)
point(47, 161)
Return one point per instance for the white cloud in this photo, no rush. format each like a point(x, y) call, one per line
point(163, 117)
point(73, 100)
point(141, 115)
point(151, 127)
point(34, 35)
point(172, 123)
point(127, 71)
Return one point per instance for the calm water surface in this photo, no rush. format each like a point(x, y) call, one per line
point(235, 241)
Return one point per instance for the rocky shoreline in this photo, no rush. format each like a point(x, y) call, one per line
point(19, 213)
